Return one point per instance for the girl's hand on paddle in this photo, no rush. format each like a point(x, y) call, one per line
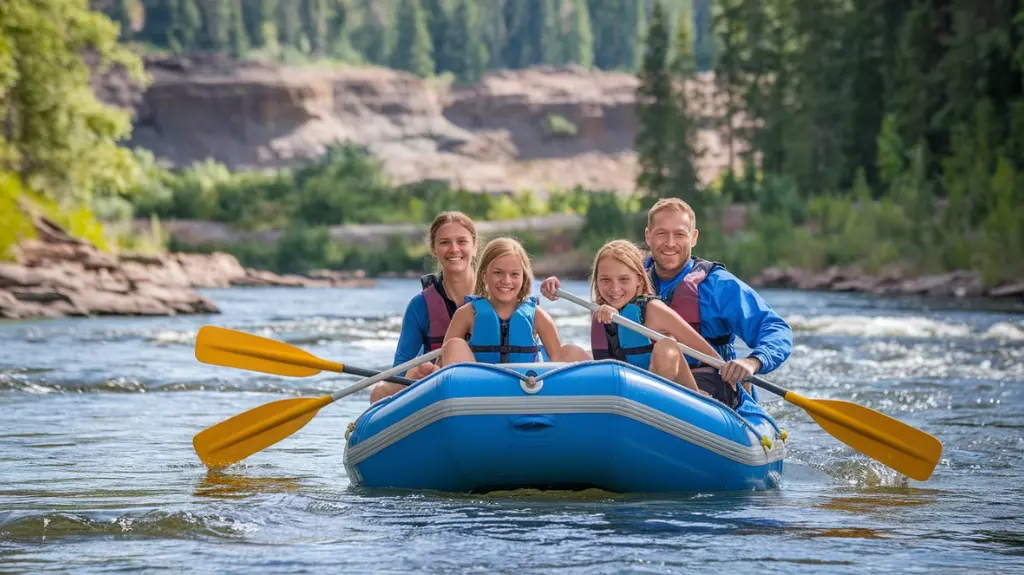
point(604, 313)
point(549, 286)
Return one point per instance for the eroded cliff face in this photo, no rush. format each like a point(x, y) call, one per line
point(488, 136)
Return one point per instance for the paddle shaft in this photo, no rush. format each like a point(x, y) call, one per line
point(794, 398)
point(381, 376)
point(320, 402)
point(644, 330)
point(362, 372)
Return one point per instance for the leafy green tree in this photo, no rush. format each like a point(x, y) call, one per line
point(54, 133)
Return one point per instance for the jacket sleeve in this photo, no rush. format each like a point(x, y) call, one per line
point(414, 333)
point(751, 318)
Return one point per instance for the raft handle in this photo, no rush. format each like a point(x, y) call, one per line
point(531, 423)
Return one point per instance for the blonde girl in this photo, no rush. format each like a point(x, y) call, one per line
point(502, 322)
point(619, 284)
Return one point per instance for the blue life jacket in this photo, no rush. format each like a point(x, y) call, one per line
point(495, 340)
point(612, 341)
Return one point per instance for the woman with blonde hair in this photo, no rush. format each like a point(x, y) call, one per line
point(452, 240)
point(620, 284)
point(502, 321)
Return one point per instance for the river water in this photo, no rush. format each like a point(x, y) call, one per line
point(97, 471)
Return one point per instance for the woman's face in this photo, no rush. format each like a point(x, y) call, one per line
point(454, 247)
point(504, 278)
point(616, 283)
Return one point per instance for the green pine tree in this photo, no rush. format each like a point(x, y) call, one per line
point(516, 52)
point(728, 23)
point(550, 52)
point(655, 110)
point(912, 96)
point(217, 19)
point(609, 33)
point(260, 18)
point(579, 47)
point(238, 35)
point(289, 27)
point(338, 33)
point(316, 16)
point(413, 47)
point(191, 25)
point(686, 151)
point(865, 46)
point(438, 26)
point(374, 37)
point(636, 44)
point(464, 44)
point(121, 12)
point(704, 34)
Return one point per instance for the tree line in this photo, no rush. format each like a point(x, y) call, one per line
point(462, 37)
point(893, 129)
point(866, 132)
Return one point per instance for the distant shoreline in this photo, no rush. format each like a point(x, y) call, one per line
point(893, 281)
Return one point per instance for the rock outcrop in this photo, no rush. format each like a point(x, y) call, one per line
point(892, 280)
point(56, 275)
point(73, 278)
point(488, 136)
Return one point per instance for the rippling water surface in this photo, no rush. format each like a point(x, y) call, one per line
point(97, 471)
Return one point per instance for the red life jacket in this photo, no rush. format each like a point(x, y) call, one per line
point(440, 310)
point(685, 298)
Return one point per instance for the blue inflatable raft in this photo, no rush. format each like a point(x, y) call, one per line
point(476, 427)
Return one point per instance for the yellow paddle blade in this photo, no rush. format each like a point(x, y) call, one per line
point(906, 449)
point(230, 348)
point(232, 440)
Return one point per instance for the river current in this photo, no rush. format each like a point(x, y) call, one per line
point(98, 474)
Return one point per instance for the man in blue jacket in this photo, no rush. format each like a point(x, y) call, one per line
point(716, 303)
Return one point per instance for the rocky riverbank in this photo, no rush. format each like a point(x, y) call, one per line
point(56, 275)
point(890, 281)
